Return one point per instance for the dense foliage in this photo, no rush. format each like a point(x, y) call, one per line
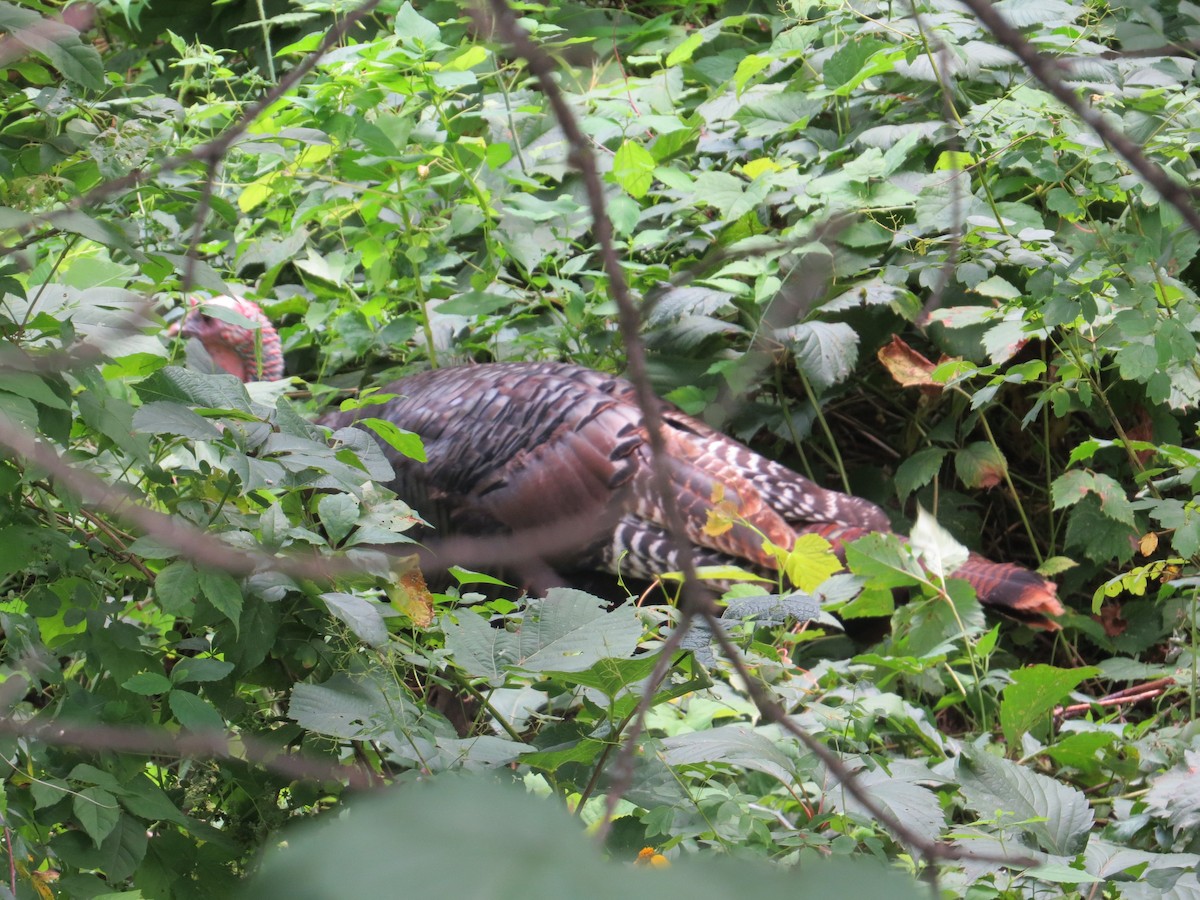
point(811, 203)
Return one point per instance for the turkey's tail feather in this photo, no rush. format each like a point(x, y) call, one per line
point(1006, 587)
point(1014, 589)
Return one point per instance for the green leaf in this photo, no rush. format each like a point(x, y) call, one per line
point(412, 28)
point(223, 592)
point(176, 587)
point(1138, 361)
point(554, 859)
point(980, 465)
point(1113, 501)
point(338, 514)
point(1057, 873)
point(351, 708)
point(729, 194)
point(1098, 535)
point(1079, 750)
point(684, 50)
point(403, 442)
point(633, 169)
point(1026, 704)
point(918, 470)
point(222, 392)
point(1073, 486)
point(59, 43)
point(810, 561)
point(749, 66)
point(1055, 815)
point(467, 58)
point(883, 561)
point(200, 668)
point(825, 351)
point(938, 549)
point(147, 683)
point(195, 713)
point(466, 576)
point(469, 303)
point(97, 811)
point(1176, 795)
point(738, 745)
point(1056, 565)
point(847, 62)
point(913, 804)
point(162, 417)
point(34, 388)
point(997, 288)
point(363, 617)
point(567, 631)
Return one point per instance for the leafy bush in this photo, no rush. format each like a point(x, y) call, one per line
point(790, 190)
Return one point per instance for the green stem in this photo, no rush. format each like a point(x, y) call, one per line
point(1012, 490)
point(837, 456)
point(791, 426)
point(266, 36)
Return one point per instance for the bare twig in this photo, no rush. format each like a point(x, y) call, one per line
point(211, 745)
point(1129, 695)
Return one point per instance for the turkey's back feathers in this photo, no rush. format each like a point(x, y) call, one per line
point(512, 447)
point(540, 448)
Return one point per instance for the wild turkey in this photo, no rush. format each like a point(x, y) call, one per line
point(558, 454)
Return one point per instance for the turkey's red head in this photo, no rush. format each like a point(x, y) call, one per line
point(242, 340)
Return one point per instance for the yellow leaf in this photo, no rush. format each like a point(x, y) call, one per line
point(757, 167)
point(410, 596)
point(810, 561)
point(313, 154)
point(718, 523)
point(683, 53)
point(1148, 543)
point(717, 573)
point(467, 59)
point(256, 192)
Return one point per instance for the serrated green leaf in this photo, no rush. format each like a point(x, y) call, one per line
point(1026, 704)
point(918, 470)
point(195, 713)
point(567, 631)
point(223, 592)
point(147, 683)
point(810, 561)
point(97, 811)
point(363, 617)
point(403, 442)
point(633, 169)
point(843, 67)
point(338, 514)
point(176, 586)
point(1057, 816)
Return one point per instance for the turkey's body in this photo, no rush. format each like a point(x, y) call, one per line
point(558, 454)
